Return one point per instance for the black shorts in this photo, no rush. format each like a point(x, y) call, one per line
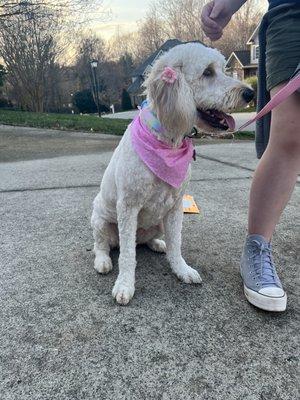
point(282, 45)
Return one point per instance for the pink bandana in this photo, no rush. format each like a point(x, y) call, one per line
point(167, 163)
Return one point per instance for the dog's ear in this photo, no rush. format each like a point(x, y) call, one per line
point(171, 98)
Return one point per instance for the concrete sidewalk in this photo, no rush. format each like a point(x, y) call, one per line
point(63, 337)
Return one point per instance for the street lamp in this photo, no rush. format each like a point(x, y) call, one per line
point(95, 84)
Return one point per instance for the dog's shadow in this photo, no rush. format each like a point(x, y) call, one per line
point(154, 278)
point(148, 262)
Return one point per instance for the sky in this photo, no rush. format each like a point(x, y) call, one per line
point(125, 13)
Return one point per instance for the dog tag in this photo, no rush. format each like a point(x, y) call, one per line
point(189, 205)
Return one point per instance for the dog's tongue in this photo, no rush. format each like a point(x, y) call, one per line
point(230, 121)
point(228, 118)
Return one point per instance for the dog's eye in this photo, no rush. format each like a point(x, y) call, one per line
point(208, 72)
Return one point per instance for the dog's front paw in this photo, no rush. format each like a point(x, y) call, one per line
point(187, 274)
point(103, 264)
point(157, 245)
point(123, 292)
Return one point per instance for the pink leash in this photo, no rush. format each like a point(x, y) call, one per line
point(283, 94)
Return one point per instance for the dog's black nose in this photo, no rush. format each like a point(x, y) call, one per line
point(248, 95)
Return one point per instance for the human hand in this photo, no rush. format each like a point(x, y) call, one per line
point(216, 14)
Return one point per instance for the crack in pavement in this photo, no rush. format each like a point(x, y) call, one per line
point(228, 163)
point(94, 185)
point(233, 178)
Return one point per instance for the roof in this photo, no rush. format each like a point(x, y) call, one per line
point(136, 86)
point(254, 34)
point(138, 73)
point(243, 56)
point(169, 44)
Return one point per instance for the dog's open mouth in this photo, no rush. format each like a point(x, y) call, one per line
point(217, 119)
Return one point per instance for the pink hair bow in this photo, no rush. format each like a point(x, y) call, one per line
point(169, 75)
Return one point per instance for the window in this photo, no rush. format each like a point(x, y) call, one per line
point(257, 52)
point(147, 70)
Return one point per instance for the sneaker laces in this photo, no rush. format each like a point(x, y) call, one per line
point(263, 263)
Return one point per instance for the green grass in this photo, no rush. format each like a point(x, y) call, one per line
point(69, 122)
point(246, 110)
point(88, 123)
point(247, 135)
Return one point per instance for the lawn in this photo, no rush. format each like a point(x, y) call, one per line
point(70, 122)
point(88, 123)
point(245, 135)
point(246, 110)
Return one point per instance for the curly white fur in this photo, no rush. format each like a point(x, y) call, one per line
point(133, 205)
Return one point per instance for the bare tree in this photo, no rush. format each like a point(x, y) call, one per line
point(151, 30)
point(113, 73)
point(165, 19)
point(240, 28)
point(35, 37)
point(180, 19)
point(29, 51)
point(90, 47)
point(76, 10)
point(126, 43)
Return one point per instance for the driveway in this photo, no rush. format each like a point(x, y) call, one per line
point(63, 337)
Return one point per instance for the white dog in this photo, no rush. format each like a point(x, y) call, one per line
point(187, 86)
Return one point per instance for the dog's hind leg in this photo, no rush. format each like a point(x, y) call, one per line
point(102, 232)
point(157, 245)
point(154, 240)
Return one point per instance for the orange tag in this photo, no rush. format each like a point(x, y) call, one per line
point(189, 205)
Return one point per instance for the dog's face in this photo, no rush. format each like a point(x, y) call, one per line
point(200, 95)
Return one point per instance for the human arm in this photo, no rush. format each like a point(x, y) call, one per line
point(216, 15)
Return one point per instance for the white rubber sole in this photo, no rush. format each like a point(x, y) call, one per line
point(264, 302)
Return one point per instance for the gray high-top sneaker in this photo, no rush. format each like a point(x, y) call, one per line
point(262, 286)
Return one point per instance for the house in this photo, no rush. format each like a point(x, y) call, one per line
point(136, 89)
point(243, 64)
